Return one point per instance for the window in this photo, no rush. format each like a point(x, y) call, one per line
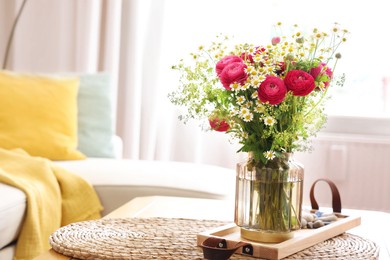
point(365, 57)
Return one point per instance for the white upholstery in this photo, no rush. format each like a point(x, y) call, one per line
point(119, 180)
point(8, 252)
point(12, 208)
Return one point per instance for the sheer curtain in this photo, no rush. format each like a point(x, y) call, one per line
point(138, 40)
point(147, 122)
point(56, 36)
point(127, 38)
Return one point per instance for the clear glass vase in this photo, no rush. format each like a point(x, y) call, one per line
point(268, 200)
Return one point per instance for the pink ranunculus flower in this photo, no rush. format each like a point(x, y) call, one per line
point(314, 72)
point(233, 73)
point(319, 71)
point(328, 72)
point(299, 82)
point(226, 61)
point(275, 40)
point(219, 125)
point(272, 90)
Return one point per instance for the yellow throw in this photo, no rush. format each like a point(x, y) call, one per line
point(55, 197)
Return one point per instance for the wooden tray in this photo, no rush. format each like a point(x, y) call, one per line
point(302, 239)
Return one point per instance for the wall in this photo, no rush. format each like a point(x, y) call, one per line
point(359, 164)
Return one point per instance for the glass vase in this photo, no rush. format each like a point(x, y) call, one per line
point(268, 201)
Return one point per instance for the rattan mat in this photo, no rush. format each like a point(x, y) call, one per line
point(167, 238)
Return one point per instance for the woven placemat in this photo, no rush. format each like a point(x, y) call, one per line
point(167, 238)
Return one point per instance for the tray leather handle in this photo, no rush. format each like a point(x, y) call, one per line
point(336, 201)
point(216, 248)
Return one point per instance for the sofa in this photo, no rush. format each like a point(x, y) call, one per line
point(117, 181)
point(73, 119)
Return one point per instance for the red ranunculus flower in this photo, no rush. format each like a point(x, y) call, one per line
point(233, 72)
point(299, 82)
point(219, 124)
point(318, 71)
point(226, 61)
point(272, 90)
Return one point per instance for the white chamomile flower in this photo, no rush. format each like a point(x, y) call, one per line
point(257, 58)
point(260, 108)
point(247, 117)
point(261, 78)
point(247, 104)
point(245, 86)
point(235, 86)
point(235, 111)
point(268, 62)
point(255, 81)
point(244, 111)
point(240, 100)
point(269, 120)
point(270, 69)
point(249, 69)
point(245, 135)
point(322, 85)
point(269, 155)
point(231, 122)
point(254, 95)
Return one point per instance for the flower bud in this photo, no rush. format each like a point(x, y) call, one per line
point(338, 55)
point(289, 57)
point(219, 125)
point(300, 40)
point(275, 40)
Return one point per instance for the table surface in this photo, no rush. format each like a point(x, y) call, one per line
point(374, 224)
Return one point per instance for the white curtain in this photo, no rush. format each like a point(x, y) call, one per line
point(125, 38)
point(138, 40)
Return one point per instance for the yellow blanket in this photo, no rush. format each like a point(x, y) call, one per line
point(55, 197)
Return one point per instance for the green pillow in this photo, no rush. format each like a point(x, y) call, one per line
point(96, 115)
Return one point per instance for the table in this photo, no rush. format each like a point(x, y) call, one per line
point(374, 224)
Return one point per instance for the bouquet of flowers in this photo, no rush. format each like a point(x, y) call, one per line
point(269, 97)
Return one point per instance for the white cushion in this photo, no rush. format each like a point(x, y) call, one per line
point(8, 252)
point(12, 209)
point(120, 180)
